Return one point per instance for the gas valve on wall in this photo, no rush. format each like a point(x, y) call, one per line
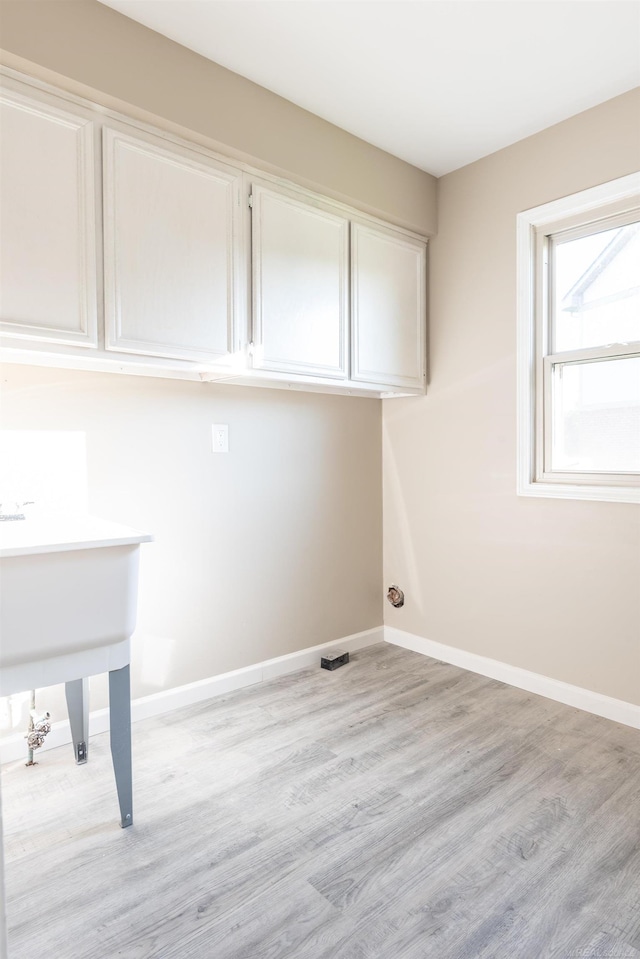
point(395, 596)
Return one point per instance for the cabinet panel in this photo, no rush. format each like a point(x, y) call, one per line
point(47, 226)
point(388, 304)
point(300, 288)
point(172, 219)
point(178, 242)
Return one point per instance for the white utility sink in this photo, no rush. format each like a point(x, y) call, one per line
point(69, 590)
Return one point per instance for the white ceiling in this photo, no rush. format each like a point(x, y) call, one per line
point(439, 83)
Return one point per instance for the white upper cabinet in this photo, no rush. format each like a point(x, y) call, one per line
point(47, 219)
point(172, 220)
point(299, 290)
point(388, 307)
point(300, 255)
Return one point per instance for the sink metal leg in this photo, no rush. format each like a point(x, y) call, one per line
point(77, 693)
point(120, 726)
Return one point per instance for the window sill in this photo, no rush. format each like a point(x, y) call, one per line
point(603, 494)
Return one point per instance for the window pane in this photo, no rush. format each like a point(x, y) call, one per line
point(597, 291)
point(596, 416)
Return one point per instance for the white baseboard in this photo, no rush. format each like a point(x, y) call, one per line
point(14, 747)
point(616, 709)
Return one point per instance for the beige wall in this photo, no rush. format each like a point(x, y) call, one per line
point(277, 546)
point(548, 585)
point(269, 549)
point(89, 47)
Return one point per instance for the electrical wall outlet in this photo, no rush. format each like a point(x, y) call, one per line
point(220, 438)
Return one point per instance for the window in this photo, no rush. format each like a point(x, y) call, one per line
point(579, 345)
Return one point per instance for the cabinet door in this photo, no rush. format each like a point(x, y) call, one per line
point(300, 288)
point(388, 307)
point(172, 219)
point(47, 221)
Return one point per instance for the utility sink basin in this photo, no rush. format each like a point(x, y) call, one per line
point(68, 598)
point(69, 592)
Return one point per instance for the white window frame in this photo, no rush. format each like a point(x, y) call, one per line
point(534, 358)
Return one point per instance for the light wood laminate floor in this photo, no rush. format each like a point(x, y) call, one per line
point(397, 808)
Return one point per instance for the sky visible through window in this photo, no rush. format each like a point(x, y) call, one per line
point(597, 289)
point(596, 422)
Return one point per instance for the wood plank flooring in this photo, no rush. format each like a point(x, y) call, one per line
point(397, 808)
